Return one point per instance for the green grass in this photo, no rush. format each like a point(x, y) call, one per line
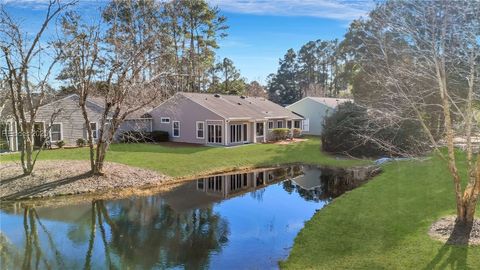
point(188, 161)
point(384, 224)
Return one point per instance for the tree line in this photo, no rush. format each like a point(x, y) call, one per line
point(319, 68)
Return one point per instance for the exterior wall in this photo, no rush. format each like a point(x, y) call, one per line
point(269, 132)
point(314, 111)
point(249, 132)
point(142, 124)
point(180, 108)
point(70, 118)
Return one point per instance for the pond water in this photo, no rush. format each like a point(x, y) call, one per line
point(235, 221)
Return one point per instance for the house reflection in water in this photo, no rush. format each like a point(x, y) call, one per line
point(230, 185)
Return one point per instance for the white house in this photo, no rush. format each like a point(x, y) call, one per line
point(314, 110)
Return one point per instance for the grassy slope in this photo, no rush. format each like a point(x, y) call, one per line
point(384, 224)
point(187, 161)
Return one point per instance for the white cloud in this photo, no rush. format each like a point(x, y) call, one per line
point(330, 9)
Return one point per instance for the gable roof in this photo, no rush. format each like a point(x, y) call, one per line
point(329, 102)
point(94, 102)
point(240, 107)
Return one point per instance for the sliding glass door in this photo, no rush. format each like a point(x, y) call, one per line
point(238, 133)
point(214, 134)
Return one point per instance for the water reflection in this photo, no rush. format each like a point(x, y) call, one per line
point(236, 221)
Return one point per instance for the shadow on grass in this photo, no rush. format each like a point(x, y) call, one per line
point(44, 187)
point(455, 251)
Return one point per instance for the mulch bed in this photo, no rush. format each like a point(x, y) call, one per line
point(446, 231)
point(59, 177)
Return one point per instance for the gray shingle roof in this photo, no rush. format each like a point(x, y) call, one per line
point(330, 102)
point(240, 107)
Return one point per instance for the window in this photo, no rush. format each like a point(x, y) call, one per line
point(289, 124)
point(296, 124)
point(279, 124)
point(176, 128)
point(260, 127)
point(270, 124)
point(93, 126)
point(56, 132)
point(200, 130)
point(165, 120)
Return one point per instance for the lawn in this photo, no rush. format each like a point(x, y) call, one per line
point(184, 161)
point(384, 224)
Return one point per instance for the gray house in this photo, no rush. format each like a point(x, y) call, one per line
point(315, 109)
point(215, 119)
point(68, 125)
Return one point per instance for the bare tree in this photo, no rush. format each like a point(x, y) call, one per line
point(115, 65)
point(425, 58)
point(26, 79)
point(81, 57)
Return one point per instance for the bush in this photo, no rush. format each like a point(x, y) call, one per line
point(81, 142)
point(159, 136)
point(297, 132)
point(280, 133)
point(60, 144)
point(343, 129)
point(134, 137)
point(144, 136)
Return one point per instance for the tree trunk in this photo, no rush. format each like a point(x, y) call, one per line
point(100, 157)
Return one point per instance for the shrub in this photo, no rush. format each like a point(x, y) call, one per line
point(159, 136)
point(81, 142)
point(60, 144)
point(134, 137)
point(297, 132)
point(351, 130)
point(280, 133)
point(144, 136)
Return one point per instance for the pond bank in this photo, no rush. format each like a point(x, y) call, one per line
point(69, 181)
point(56, 178)
point(384, 224)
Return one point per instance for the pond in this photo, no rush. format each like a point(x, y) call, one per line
point(235, 221)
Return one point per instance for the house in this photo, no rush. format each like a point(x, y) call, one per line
point(215, 119)
point(315, 110)
point(68, 125)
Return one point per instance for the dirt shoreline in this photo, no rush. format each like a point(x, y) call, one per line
point(64, 182)
point(59, 178)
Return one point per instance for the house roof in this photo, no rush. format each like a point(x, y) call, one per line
point(240, 107)
point(93, 100)
point(330, 102)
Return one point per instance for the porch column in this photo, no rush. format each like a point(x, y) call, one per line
point(254, 131)
point(265, 131)
point(225, 134)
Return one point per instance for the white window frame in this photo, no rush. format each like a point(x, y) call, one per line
point(268, 125)
point(61, 131)
point(96, 130)
point(173, 129)
point(197, 129)
point(280, 122)
point(165, 120)
point(256, 129)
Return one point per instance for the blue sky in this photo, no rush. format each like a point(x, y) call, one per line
point(260, 32)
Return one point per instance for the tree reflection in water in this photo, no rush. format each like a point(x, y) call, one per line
point(137, 233)
point(147, 232)
point(330, 183)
